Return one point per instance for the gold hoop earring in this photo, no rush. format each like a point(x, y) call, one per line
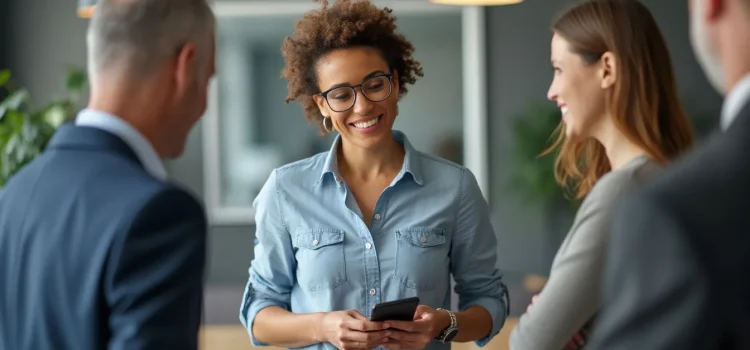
point(325, 126)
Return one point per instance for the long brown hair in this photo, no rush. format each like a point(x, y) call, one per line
point(644, 103)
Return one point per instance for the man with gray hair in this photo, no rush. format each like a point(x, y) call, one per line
point(679, 255)
point(97, 249)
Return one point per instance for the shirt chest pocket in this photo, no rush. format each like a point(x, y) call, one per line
point(422, 260)
point(320, 258)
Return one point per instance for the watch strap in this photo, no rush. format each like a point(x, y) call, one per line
point(452, 326)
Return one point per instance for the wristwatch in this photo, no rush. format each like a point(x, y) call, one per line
point(449, 333)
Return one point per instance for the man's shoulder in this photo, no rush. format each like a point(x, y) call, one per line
point(713, 167)
point(713, 177)
point(98, 185)
point(701, 198)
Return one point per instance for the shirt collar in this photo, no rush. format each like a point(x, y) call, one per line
point(120, 128)
point(411, 161)
point(737, 98)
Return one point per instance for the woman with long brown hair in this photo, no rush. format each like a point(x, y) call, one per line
point(621, 123)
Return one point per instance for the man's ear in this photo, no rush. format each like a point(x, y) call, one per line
point(608, 70)
point(185, 68)
point(713, 9)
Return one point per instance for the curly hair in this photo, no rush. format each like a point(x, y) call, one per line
point(347, 23)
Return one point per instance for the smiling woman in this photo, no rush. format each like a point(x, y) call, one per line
point(248, 130)
point(622, 122)
point(389, 210)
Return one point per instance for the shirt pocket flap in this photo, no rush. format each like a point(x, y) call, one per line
point(422, 236)
point(317, 238)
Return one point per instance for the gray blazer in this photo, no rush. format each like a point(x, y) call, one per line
point(677, 274)
point(571, 297)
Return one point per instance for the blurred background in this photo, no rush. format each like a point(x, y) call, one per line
point(248, 130)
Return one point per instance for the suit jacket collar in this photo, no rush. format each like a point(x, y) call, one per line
point(127, 133)
point(70, 136)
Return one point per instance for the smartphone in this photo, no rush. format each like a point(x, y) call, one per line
point(396, 310)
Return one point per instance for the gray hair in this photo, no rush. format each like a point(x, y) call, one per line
point(138, 36)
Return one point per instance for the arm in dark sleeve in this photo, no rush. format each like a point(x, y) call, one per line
point(154, 277)
point(656, 292)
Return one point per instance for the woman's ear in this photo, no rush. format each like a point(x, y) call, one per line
point(394, 82)
point(608, 70)
point(322, 105)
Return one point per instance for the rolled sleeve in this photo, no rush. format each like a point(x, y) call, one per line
point(271, 273)
point(474, 258)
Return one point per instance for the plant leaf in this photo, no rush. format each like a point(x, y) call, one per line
point(16, 120)
point(76, 80)
point(14, 101)
point(532, 175)
point(55, 114)
point(4, 77)
point(24, 133)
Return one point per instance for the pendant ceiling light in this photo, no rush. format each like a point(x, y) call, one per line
point(476, 2)
point(86, 8)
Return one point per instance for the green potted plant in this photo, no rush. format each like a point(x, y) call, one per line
point(25, 130)
point(532, 177)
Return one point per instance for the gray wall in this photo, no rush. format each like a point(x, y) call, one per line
point(46, 37)
point(4, 34)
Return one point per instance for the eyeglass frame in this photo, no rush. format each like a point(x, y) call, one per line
point(324, 94)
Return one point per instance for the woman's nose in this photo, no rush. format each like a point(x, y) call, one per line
point(362, 105)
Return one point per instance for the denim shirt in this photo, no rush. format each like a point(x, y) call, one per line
point(314, 252)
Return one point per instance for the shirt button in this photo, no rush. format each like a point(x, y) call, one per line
point(377, 216)
point(372, 291)
point(422, 239)
point(315, 242)
point(368, 245)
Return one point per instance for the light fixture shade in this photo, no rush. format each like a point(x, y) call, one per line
point(86, 8)
point(477, 2)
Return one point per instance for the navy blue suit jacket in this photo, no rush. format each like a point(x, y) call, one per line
point(97, 254)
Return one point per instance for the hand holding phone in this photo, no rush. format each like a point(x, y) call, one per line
point(412, 326)
point(350, 329)
point(396, 310)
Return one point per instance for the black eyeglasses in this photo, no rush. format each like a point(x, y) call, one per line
point(343, 98)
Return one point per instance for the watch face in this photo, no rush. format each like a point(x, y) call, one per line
point(450, 334)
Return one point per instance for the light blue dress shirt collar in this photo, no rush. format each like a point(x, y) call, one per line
point(410, 166)
point(120, 128)
point(735, 100)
